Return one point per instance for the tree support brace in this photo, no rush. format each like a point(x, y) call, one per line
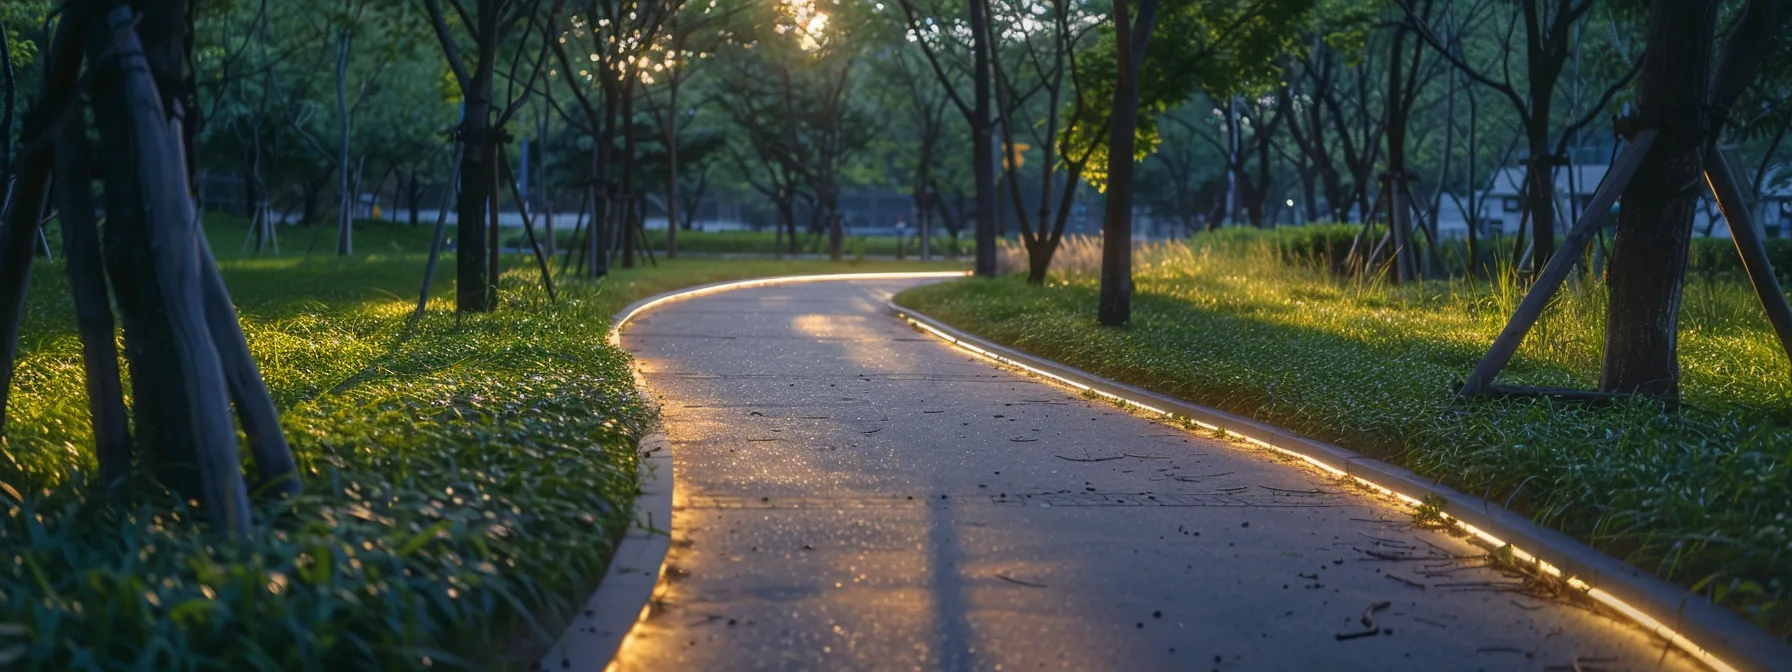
point(1560, 264)
point(1748, 245)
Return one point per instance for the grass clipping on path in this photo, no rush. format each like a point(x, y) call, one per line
point(1700, 495)
point(464, 481)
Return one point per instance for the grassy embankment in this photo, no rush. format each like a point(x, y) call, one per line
point(1699, 494)
point(464, 480)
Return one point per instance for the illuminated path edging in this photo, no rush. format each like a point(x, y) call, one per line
point(1711, 634)
point(626, 595)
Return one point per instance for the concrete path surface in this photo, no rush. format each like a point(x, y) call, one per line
point(851, 495)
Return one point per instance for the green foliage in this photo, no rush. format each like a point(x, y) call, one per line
point(1221, 48)
point(1696, 494)
point(22, 20)
point(1322, 245)
point(1716, 257)
point(1345, 25)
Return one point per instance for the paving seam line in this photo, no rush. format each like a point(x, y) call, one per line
point(1711, 634)
point(625, 596)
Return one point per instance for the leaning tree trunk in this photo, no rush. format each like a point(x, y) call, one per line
point(23, 195)
point(1648, 268)
point(188, 360)
point(93, 310)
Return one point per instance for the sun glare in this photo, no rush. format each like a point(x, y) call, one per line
point(809, 22)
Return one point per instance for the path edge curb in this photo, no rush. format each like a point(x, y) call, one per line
point(1657, 606)
point(625, 595)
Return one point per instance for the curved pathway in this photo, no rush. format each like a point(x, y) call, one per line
point(851, 495)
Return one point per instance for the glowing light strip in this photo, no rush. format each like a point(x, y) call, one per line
point(616, 327)
point(615, 339)
point(1649, 623)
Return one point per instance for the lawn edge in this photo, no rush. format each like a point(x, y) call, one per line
point(626, 594)
point(1658, 606)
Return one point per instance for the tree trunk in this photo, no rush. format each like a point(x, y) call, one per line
point(830, 205)
point(1234, 167)
point(494, 251)
point(188, 361)
point(1116, 234)
point(597, 232)
point(1648, 268)
point(1264, 134)
point(93, 309)
point(1540, 199)
point(1399, 221)
point(251, 195)
point(345, 215)
point(983, 157)
point(787, 219)
point(413, 195)
point(313, 187)
point(628, 171)
point(1474, 211)
point(474, 290)
point(1039, 261)
point(672, 164)
point(23, 197)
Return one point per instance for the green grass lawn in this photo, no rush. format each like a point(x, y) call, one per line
point(464, 480)
point(1700, 495)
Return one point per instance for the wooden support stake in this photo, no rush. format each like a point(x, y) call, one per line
point(547, 277)
point(1728, 193)
point(435, 241)
point(640, 222)
point(578, 226)
point(93, 309)
point(494, 267)
point(1560, 264)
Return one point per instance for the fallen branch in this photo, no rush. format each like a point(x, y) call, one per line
point(1368, 621)
point(1390, 556)
point(1296, 492)
point(1019, 582)
point(1406, 581)
point(1558, 393)
point(1196, 479)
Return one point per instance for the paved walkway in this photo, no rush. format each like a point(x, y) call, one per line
point(853, 496)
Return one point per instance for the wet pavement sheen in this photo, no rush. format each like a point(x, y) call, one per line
point(851, 495)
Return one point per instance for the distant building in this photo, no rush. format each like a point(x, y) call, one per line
point(1575, 184)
